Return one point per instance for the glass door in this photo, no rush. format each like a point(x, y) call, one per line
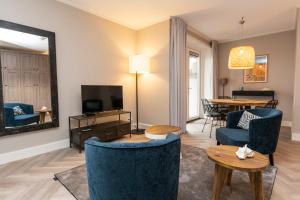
point(193, 85)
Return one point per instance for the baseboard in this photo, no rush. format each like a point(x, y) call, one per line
point(296, 136)
point(32, 151)
point(286, 123)
point(141, 125)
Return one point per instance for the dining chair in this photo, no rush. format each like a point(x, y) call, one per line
point(211, 112)
point(271, 104)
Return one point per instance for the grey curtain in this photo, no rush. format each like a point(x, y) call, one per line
point(214, 46)
point(178, 73)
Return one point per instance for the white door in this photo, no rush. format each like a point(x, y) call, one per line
point(193, 85)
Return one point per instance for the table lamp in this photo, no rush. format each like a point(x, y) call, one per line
point(138, 64)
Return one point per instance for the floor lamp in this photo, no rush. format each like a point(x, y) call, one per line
point(138, 64)
point(223, 82)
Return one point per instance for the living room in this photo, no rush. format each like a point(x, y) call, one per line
point(96, 43)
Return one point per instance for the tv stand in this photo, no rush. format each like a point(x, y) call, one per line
point(90, 114)
point(107, 126)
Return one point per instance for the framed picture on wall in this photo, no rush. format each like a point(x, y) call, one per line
point(259, 74)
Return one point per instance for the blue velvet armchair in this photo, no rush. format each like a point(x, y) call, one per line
point(19, 120)
point(133, 171)
point(262, 135)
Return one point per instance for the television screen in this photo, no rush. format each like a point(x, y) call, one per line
point(99, 98)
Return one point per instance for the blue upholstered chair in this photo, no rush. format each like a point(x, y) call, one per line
point(262, 135)
point(19, 120)
point(133, 171)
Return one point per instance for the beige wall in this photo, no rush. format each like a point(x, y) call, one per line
point(281, 50)
point(296, 105)
point(154, 87)
point(90, 50)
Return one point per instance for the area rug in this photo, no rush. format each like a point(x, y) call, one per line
point(195, 183)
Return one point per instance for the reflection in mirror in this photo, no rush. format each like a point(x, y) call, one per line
point(26, 78)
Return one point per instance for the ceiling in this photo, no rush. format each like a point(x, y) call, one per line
point(18, 40)
point(217, 19)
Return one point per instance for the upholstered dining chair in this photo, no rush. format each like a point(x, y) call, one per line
point(262, 135)
point(133, 171)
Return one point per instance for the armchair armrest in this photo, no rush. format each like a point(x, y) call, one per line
point(233, 119)
point(9, 116)
point(27, 108)
point(264, 133)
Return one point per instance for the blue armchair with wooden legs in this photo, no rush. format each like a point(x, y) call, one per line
point(262, 135)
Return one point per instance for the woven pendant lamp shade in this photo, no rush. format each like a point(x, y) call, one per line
point(242, 57)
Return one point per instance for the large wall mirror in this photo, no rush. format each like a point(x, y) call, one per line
point(28, 96)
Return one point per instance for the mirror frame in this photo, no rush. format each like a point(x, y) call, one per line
point(53, 81)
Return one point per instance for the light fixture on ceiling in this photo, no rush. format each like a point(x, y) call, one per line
point(242, 57)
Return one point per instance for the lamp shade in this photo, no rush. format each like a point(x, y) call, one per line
point(242, 57)
point(139, 64)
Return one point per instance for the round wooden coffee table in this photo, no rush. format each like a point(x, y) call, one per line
point(160, 131)
point(226, 161)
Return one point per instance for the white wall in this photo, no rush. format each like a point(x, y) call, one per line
point(90, 50)
point(296, 103)
point(154, 87)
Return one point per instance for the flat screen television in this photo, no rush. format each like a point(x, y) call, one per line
point(99, 98)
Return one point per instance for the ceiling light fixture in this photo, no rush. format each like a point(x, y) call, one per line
point(242, 57)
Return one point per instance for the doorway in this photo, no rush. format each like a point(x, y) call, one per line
point(193, 85)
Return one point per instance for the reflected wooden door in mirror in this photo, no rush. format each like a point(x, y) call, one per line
point(28, 96)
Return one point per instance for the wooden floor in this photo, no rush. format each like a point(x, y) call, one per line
point(31, 179)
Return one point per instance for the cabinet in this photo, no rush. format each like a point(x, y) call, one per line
point(105, 131)
point(26, 78)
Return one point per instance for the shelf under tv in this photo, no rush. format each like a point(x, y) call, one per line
point(105, 131)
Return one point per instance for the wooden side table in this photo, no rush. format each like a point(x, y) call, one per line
point(226, 161)
point(160, 131)
point(43, 115)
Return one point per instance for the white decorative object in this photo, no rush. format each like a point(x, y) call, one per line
point(44, 108)
point(244, 152)
point(266, 89)
point(155, 136)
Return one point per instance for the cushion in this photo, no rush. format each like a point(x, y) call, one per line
point(232, 136)
point(18, 111)
point(245, 120)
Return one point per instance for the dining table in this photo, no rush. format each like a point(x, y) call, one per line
point(239, 104)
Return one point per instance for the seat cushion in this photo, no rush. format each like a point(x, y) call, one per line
point(234, 137)
point(21, 120)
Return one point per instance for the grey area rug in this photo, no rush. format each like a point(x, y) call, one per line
point(195, 183)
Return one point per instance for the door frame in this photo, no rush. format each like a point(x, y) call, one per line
point(187, 82)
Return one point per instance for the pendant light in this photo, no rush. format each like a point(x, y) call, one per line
point(242, 57)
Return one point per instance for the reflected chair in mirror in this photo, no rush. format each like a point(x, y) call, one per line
point(262, 135)
point(128, 171)
point(12, 120)
point(211, 112)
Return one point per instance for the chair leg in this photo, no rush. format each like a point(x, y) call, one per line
point(204, 125)
point(218, 143)
point(271, 158)
point(212, 123)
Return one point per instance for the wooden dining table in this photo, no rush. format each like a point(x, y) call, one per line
point(239, 104)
